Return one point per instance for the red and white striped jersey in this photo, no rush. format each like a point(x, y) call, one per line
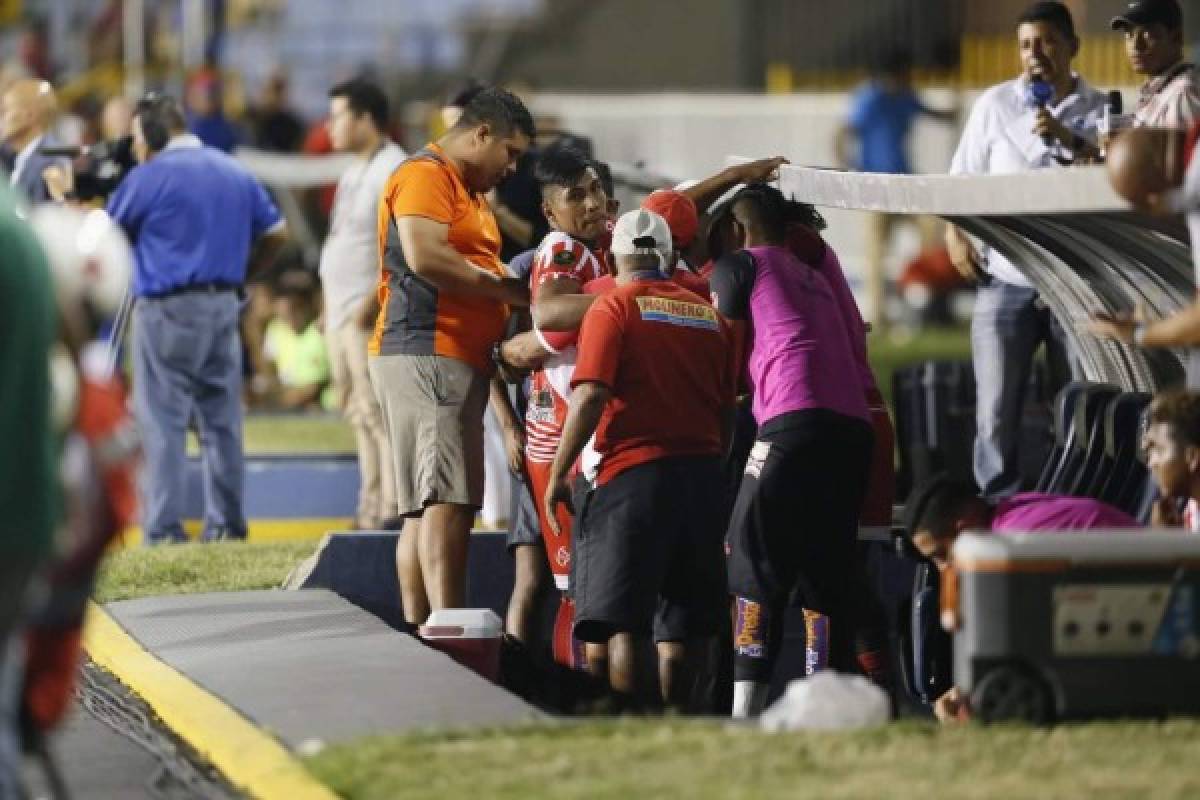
point(559, 256)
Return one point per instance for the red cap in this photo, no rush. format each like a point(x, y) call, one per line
point(680, 213)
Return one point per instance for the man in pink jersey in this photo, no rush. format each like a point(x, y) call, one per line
point(942, 509)
point(796, 515)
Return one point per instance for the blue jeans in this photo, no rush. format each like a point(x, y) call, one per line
point(187, 364)
point(1008, 325)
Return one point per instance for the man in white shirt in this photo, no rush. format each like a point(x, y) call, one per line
point(1170, 97)
point(358, 120)
point(1013, 129)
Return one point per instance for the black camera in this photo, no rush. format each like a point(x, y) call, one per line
point(98, 169)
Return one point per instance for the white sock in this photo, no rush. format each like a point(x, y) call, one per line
point(749, 698)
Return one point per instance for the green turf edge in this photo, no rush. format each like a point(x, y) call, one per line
point(195, 568)
point(698, 759)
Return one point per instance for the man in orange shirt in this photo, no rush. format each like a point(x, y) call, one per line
point(444, 296)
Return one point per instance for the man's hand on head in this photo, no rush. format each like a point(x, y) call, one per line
point(764, 170)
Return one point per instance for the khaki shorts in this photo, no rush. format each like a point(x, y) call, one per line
point(433, 413)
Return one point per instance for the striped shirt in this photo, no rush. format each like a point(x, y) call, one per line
point(1170, 100)
point(558, 257)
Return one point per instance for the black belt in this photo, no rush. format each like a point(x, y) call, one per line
point(198, 288)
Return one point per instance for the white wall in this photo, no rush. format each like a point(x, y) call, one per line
point(690, 136)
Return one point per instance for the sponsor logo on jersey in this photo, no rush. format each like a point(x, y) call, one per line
point(749, 629)
point(678, 312)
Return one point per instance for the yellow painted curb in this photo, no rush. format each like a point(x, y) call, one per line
point(251, 759)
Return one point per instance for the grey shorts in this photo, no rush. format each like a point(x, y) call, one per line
point(523, 525)
point(433, 412)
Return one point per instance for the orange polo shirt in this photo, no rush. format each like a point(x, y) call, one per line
point(415, 317)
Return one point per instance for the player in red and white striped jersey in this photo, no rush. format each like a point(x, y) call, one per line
point(562, 267)
point(576, 205)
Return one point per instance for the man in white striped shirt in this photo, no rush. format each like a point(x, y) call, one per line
point(1170, 97)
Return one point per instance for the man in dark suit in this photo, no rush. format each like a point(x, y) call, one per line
point(27, 110)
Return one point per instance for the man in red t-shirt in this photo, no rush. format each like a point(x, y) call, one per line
point(654, 381)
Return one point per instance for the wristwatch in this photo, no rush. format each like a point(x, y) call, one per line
point(1139, 334)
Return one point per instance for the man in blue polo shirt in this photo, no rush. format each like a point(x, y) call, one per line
point(194, 216)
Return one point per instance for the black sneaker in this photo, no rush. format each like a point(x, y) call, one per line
point(222, 533)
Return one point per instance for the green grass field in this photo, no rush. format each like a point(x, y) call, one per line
point(890, 353)
point(195, 568)
point(698, 759)
point(693, 758)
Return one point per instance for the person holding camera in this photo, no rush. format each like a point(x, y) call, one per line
point(198, 222)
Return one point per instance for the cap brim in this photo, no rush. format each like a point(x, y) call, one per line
point(1130, 20)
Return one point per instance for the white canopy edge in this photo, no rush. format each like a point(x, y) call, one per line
point(1077, 190)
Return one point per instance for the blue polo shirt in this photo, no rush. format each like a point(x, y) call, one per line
point(192, 214)
point(882, 121)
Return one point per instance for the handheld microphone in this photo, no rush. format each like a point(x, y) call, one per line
point(1039, 95)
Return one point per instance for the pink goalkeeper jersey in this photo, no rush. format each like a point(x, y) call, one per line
point(801, 356)
point(1033, 511)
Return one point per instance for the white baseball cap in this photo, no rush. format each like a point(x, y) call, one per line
point(641, 232)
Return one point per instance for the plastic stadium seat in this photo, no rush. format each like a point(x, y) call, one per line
point(1088, 454)
point(1122, 447)
point(1077, 409)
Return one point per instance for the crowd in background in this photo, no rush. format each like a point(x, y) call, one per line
point(435, 235)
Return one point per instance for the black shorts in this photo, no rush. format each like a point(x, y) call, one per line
point(523, 525)
point(796, 515)
point(648, 553)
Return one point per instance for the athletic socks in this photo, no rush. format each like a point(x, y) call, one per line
point(757, 636)
point(749, 699)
